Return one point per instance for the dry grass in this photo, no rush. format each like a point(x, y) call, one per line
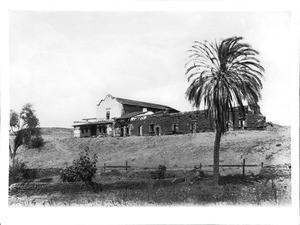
point(271, 146)
point(259, 192)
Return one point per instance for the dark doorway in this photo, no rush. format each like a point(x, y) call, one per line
point(193, 127)
point(157, 131)
point(93, 130)
point(242, 123)
point(102, 130)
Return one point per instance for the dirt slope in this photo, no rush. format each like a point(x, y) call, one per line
point(271, 146)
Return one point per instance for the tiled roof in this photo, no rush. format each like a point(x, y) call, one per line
point(129, 115)
point(84, 123)
point(143, 104)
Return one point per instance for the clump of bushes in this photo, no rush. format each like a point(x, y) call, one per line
point(19, 172)
point(36, 142)
point(83, 169)
point(161, 172)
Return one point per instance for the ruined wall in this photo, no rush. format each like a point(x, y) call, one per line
point(189, 122)
point(255, 121)
point(174, 123)
point(170, 123)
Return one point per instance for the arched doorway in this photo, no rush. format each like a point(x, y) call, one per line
point(157, 130)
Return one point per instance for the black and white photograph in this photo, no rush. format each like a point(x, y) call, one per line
point(151, 108)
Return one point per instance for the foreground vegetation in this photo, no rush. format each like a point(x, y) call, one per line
point(179, 185)
point(270, 186)
point(237, 190)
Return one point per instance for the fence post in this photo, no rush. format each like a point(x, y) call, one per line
point(126, 165)
point(104, 167)
point(244, 162)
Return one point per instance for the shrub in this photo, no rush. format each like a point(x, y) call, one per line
point(83, 169)
point(19, 172)
point(161, 172)
point(36, 142)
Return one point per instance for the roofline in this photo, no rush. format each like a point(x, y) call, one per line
point(159, 105)
point(92, 123)
point(120, 101)
point(105, 98)
point(142, 102)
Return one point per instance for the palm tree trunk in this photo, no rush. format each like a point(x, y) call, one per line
point(216, 155)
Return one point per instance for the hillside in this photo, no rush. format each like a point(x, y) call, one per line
point(51, 133)
point(271, 146)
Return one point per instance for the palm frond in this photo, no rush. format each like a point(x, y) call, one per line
point(222, 75)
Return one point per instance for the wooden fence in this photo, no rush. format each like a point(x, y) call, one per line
point(126, 167)
point(243, 165)
point(106, 167)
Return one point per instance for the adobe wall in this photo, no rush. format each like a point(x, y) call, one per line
point(186, 122)
point(255, 121)
point(165, 122)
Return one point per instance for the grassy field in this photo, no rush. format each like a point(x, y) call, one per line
point(234, 190)
point(178, 152)
point(271, 146)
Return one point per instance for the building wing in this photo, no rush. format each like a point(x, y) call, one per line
point(147, 105)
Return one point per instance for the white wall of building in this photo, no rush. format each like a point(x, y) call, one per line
point(77, 132)
point(109, 104)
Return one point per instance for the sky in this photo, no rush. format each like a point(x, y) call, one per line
point(65, 62)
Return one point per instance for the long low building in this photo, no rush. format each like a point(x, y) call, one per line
point(124, 117)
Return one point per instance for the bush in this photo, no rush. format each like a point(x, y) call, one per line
point(161, 171)
point(36, 142)
point(82, 169)
point(19, 172)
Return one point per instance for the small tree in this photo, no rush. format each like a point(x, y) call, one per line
point(83, 169)
point(25, 127)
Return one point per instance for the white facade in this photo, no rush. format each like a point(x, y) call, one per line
point(109, 108)
point(76, 131)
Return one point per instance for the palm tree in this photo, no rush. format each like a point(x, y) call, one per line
point(222, 75)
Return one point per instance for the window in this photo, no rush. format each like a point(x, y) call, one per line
point(175, 127)
point(107, 115)
point(151, 128)
point(140, 130)
point(193, 126)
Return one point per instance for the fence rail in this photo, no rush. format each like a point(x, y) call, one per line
point(199, 166)
point(126, 167)
point(243, 165)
